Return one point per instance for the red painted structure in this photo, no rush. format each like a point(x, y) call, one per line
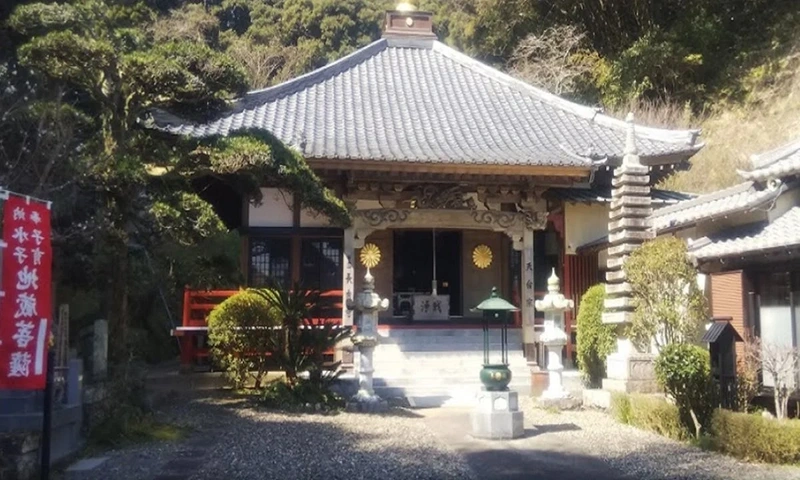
point(197, 304)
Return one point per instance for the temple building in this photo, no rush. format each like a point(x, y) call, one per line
point(462, 178)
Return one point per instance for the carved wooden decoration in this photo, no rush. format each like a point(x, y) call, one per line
point(482, 256)
point(437, 196)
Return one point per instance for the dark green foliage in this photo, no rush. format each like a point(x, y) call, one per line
point(595, 339)
point(240, 333)
point(301, 344)
point(648, 413)
point(304, 395)
point(752, 437)
point(684, 372)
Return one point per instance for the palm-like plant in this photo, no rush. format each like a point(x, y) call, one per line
point(300, 344)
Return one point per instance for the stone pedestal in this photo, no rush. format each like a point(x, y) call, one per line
point(497, 416)
point(630, 373)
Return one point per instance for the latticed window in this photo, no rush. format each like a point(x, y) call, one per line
point(270, 261)
point(321, 263)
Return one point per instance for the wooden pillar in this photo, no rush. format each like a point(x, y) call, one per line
point(528, 311)
point(348, 274)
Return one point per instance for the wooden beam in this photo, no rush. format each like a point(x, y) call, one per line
point(446, 168)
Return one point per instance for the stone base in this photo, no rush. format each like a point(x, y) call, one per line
point(497, 416)
point(367, 404)
point(630, 386)
point(596, 398)
point(563, 403)
point(632, 373)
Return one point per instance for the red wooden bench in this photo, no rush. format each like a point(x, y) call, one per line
point(197, 304)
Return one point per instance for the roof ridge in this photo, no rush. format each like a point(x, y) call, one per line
point(767, 158)
point(319, 74)
point(700, 199)
point(685, 136)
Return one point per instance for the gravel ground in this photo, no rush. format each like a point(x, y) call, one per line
point(641, 454)
point(229, 439)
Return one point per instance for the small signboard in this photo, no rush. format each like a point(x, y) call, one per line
point(25, 306)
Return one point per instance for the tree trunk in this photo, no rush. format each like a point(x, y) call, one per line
point(118, 321)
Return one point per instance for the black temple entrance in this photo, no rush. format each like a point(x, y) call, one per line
point(414, 267)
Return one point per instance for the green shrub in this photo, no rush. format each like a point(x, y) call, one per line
point(648, 413)
point(595, 339)
point(670, 307)
point(755, 438)
point(241, 337)
point(302, 395)
point(684, 372)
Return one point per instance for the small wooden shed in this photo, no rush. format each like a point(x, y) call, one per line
point(721, 338)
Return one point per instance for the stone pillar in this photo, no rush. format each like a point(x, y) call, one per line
point(368, 304)
point(554, 304)
point(628, 227)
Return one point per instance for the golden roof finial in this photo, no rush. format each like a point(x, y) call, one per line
point(405, 7)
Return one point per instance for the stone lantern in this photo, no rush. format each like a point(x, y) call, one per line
point(554, 304)
point(496, 415)
point(367, 304)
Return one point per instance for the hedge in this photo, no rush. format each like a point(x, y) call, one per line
point(649, 413)
point(755, 438)
point(595, 339)
point(749, 437)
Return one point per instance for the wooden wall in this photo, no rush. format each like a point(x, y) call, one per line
point(477, 283)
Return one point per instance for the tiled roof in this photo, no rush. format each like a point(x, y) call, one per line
point(422, 101)
point(783, 232)
point(780, 162)
point(739, 198)
point(717, 329)
point(603, 195)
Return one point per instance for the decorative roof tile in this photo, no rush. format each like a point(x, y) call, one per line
point(739, 198)
point(781, 233)
point(603, 195)
point(422, 101)
point(780, 162)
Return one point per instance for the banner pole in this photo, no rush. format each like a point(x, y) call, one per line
point(47, 417)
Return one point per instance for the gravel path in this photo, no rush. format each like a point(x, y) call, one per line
point(232, 440)
point(229, 439)
point(578, 442)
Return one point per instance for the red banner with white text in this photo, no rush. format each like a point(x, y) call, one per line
point(25, 307)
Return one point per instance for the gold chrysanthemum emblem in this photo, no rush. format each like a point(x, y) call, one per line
point(370, 255)
point(482, 256)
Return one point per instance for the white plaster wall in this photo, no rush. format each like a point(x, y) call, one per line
point(275, 209)
point(785, 202)
point(583, 224)
point(311, 218)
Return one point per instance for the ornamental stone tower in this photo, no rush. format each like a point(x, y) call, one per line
point(628, 227)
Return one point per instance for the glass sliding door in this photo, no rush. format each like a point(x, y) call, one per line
point(777, 312)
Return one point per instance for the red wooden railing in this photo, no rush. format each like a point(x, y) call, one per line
point(198, 304)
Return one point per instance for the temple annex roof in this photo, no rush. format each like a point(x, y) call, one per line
point(781, 234)
point(740, 198)
point(416, 100)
